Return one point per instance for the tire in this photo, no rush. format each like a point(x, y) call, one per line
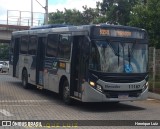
point(66, 93)
point(25, 79)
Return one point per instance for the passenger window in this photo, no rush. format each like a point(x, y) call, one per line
point(52, 45)
point(24, 44)
point(32, 45)
point(64, 47)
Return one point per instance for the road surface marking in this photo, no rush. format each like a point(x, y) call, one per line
point(150, 99)
point(21, 101)
point(6, 113)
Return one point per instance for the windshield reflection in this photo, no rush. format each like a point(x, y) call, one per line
point(116, 57)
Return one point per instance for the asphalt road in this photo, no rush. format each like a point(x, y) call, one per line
point(17, 103)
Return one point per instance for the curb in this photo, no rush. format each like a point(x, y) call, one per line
point(153, 95)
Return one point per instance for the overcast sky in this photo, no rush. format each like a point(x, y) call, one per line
point(25, 5)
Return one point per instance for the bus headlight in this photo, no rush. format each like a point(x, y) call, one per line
point(92, 83)
point(95, 86)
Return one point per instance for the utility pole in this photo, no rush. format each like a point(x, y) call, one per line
point(46, 11)
point(31, 12)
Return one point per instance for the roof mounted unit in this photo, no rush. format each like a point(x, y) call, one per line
point(50, 26)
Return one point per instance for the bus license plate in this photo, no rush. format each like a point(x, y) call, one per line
point(123, 96)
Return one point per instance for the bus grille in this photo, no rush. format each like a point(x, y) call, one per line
point(118, 77)
point(115, 94)
point(122, 79)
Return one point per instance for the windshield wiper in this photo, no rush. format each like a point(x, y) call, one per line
point(129, 56)
point(118, 55)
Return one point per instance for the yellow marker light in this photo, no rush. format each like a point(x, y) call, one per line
point(92, 83)
point(62, 65)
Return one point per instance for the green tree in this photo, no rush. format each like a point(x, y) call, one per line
point(147, 16)
point(73, 17)
point(56, 17)
point(117, 11)
point(90, 15)
point(4, 52)
point(69, 16)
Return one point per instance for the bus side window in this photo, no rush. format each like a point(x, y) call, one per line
point(52, 45)
point(24, 44)
point(32, 45)
point(64, 47)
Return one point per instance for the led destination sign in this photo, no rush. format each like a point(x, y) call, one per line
point(118, 33)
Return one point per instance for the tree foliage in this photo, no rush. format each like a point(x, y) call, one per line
point(56, 17)
point(147, 16)
point(117, 11)
point(73, 16)
point(90, 15)
point(67, 17)
point(4, 52)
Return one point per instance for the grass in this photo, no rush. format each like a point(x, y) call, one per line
point(156, 88)
point(157, 81)
point(157, 84)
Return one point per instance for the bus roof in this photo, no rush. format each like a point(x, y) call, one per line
point(50, 26)
point(67, 28)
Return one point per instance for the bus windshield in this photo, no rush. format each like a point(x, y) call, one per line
point(118, 57)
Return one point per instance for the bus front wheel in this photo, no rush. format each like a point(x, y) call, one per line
point(25, 79)
point(66, 93)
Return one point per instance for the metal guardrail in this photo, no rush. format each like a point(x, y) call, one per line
point(23, 18)
point(12, 27)
point(24, 22)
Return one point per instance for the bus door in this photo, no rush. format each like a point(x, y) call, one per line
point(40, 60)
point(79, 63)
point(52, 62)
point(16, 57)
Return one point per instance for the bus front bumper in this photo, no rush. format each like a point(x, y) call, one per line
point(92, 95)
